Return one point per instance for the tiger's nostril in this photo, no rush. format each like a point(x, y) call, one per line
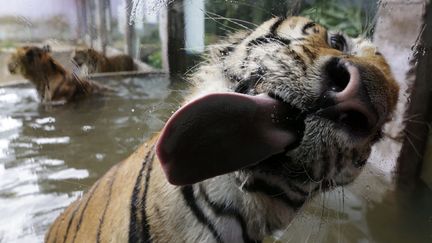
point(350, 103)
point(338, 75)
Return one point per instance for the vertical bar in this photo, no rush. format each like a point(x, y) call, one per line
point(87, 38)
point(108, 12)
point(102, 39)
point(90, 6)
point(426, 173)
point(163, 36)
point(414, 144)
point(81, 19)
point(177, 58)
point(194, 24)
point(130, 34)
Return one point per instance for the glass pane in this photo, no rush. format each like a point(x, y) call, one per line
point(59, 134)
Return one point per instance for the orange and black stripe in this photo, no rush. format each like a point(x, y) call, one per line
point(139, 229)
point(101, 221)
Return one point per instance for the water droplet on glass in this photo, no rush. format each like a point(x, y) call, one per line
point(100, 156)
point(87, 128)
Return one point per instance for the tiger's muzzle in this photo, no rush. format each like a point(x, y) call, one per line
point(347, 101)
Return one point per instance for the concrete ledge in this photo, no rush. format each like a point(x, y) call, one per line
point(125, 73)
point(13, 83)
point(97, 76)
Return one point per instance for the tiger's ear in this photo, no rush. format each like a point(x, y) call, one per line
point(46, 48)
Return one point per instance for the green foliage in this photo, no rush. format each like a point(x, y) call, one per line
point(224, 17)
point(6, 44)
point(155, 59)
point(349, 19)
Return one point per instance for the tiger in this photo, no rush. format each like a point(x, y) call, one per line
point(54, 84)
point(338, 93)
point(98, 63)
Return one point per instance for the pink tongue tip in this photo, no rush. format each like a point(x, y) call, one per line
point(221, 133)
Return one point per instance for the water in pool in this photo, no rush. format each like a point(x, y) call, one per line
point(49, 156)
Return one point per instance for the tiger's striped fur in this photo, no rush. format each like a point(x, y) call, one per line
point(52, 81)
point(134, 202)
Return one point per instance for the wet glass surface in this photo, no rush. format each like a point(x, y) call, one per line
point(50, 155)
point(368, 211)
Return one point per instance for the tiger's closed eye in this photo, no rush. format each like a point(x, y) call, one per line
point(338, 42)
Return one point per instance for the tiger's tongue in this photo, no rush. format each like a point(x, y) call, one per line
point(221, 133)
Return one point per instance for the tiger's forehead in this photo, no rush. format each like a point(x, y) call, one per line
point(300, 27)
point(295, 28)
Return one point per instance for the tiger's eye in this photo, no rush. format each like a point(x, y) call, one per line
point(338, 42)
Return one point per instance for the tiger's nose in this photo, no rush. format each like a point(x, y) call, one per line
point(352, 104)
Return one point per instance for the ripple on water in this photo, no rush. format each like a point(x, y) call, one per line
point(57, 140)
point(8, 124)
point(45, 120)
point(70, 173)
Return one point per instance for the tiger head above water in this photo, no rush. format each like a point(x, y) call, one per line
point(85, 56)
point(53, 82)
point(338, 92)
point(30, 61)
